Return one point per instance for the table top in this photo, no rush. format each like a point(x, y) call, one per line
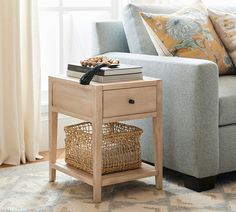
point(110, 85)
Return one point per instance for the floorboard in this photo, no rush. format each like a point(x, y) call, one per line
point(60, 155)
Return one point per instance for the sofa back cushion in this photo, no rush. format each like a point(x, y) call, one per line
point(108, 36)
point(137, 37)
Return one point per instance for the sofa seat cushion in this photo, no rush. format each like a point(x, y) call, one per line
point(227, 100)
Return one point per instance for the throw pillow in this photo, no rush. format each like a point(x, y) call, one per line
point(138, 39)
point(225, 26)
point(187, 33)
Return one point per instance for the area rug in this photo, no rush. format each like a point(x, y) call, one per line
point(26, 188)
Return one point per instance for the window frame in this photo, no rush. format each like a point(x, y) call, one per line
point(61, 9)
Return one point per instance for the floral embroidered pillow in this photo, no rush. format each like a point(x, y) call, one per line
point(225, 26)
point(187, 33)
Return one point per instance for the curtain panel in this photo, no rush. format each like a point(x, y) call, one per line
point(19, 81)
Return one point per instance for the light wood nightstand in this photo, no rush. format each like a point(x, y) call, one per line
point(100, 103)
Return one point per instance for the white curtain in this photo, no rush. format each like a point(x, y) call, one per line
point(19, 81)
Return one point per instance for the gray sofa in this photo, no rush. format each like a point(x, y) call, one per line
point(199, 107)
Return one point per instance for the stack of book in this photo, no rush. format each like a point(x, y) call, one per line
point(123, 72)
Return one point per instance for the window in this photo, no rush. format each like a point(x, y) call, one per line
point(65, 30)
point(65, 33)
point(207, 2)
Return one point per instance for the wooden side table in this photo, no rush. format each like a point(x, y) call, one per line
point(100, 103)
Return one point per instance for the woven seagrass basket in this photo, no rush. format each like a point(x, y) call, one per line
point(120, 147)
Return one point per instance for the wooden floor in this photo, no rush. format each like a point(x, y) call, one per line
point(60, 155)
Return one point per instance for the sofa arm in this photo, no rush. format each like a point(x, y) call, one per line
point(190, 111)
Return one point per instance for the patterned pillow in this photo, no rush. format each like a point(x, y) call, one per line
point(225, 26)
point(187, 33)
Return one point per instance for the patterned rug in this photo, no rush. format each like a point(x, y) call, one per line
point(26, 188)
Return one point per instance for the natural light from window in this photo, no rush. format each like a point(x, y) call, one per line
point(64, 21)
point(65, 29)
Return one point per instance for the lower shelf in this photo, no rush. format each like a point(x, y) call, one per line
point(120, 177)
point(108, 179)
point(61, 166)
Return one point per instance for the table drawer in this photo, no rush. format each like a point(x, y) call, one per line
point(129, 101)
point(72, 99)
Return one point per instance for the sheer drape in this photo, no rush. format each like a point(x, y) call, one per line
point(19, 81)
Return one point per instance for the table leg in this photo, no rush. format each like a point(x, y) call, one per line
point(157, 142)
point(157, 138)
point(53, 119)
point(97, 162)
point(97, 145)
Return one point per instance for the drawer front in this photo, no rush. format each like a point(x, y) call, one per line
point(72, 99)
point(129, 101)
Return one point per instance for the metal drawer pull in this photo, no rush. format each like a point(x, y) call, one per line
point(131, 101)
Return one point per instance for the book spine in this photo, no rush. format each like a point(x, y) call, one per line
point(103, 79)
point(78, 68)
point(83, 69)
point(105, 71)
point(74, 74)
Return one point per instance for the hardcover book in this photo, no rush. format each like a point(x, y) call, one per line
point(106, 71)
point(108, 78)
